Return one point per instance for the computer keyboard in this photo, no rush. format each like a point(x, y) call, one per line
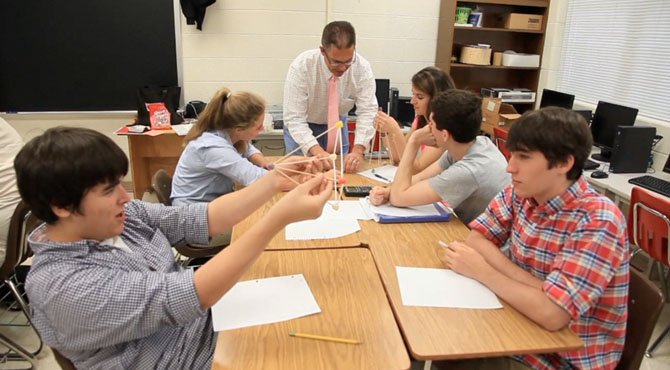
point(591, 165)
point(652, 183)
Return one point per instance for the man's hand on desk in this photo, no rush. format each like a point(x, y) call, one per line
point(294, 170)
point(318, 152)
point(354, 159)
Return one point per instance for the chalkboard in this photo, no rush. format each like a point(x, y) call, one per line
point(84, 55)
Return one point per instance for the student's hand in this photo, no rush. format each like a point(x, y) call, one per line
point(386, 124)
point(464, 260)
point(423, 136)
point(379, 195)
point(292, 171)
point(324, 161)
point(304, 202)
point(354, 159)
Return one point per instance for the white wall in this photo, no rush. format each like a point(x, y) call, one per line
point(248, 45)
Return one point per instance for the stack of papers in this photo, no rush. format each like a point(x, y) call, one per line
point(386, 213)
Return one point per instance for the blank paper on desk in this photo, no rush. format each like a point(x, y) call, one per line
point(429, 287)
point(264, 301)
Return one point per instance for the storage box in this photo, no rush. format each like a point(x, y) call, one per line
point(496, 113)
point(520, 60)
point(519, 21)
point(472, 54)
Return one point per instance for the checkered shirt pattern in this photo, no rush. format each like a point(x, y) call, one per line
point(105, 308)
point(576, 243)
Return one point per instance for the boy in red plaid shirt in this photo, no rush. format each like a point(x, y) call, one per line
point(568, 261)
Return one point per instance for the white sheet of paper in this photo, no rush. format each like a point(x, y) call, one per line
point(348, 209)
point(182, 129)
point(264, 301)
point(321, 228)
point(429, 287)
point(387, 172)
point(389, 210)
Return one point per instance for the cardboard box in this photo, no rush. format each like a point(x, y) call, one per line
point(518, 21)
point(497, 113)
point(471, 54)
point(520, 60)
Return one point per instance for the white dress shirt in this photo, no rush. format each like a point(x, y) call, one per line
point(10, 144)
point(306, 97)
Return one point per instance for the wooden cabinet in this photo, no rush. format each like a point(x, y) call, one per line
point(270, 143)
point(451, 38)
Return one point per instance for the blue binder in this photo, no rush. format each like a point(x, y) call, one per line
point(444, 216)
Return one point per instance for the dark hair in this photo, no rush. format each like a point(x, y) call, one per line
point(340, 34)
point(60, 166)
point(555, 132)
point(227, 111)
point(459, 112)
point(431, 81)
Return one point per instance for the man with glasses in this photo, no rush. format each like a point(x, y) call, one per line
point(322, 85)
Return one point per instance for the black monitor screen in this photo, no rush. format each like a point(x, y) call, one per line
point(382, 93)
point(405, 111)
point(666, 167)
point(604, 126)
point(551, 98)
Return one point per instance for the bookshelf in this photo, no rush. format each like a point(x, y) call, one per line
point(451, 38)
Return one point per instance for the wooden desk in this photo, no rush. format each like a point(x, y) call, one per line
point(434, 333)
point(148, 154)
point(353, 305)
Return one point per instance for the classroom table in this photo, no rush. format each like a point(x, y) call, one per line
point(433, 333)
point(353, 305)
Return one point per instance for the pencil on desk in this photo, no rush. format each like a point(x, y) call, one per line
point(323, 337)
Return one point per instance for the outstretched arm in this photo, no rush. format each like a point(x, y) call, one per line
point(213, 279)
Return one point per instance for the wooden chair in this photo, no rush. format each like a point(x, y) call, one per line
point(161, 183)
point(21, 224)
point(645, 303)
point(500, 139)
point(649, 228)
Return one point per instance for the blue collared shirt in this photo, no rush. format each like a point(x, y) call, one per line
point(209, 167)
point(106, 308)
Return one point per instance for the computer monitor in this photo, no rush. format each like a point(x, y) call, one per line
point(382, 93)
point(405, 111)
point(587, 114)
point(551, 98)
point(604, 126)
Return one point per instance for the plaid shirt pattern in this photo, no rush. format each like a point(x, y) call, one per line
point(576, 243)
point(105, 308)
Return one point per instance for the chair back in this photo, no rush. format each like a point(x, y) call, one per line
point(648, 223)
point(62, 361)
point(20, 225)
point(500, 139)
point(645, 303)
point(161, 183)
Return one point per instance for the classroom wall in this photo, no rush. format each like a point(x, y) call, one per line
point(248, 45)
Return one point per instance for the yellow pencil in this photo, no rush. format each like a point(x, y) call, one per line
point(322, 337)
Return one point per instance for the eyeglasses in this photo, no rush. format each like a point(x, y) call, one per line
point(337, 63)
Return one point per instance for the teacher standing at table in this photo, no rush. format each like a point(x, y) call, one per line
point(322, 85)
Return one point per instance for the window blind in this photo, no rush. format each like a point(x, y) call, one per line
point(618, 51)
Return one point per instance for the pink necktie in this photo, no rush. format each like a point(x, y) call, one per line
point(333, 113)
